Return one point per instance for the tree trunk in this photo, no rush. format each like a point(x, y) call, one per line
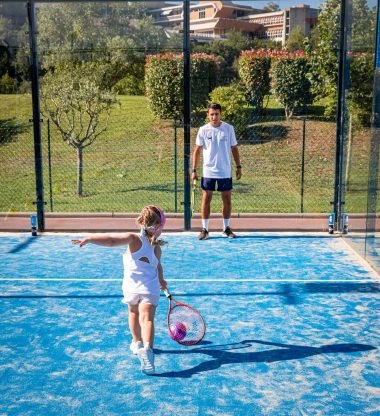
point(79, 171)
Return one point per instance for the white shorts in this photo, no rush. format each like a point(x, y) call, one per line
point(136, 298)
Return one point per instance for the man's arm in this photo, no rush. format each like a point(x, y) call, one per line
point(196, 158)
point(236, 156)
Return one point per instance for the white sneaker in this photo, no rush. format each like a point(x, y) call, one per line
point(146, 357)
point(135, 346)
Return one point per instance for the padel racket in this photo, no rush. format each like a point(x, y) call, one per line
point(192, 202)
point(185, 324)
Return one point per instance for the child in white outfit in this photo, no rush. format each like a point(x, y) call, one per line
point(143, 279)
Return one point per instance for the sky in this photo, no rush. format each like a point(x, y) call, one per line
point(288, 3)
point(282, 3)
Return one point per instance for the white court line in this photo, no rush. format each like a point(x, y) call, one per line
point(33, 279)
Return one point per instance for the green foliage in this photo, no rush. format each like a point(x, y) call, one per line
point(234, 106)
point(117, 34)
point(363, 32)
point(7, 84)
point(323, 56)
point(295, 41)
point(130, 85)
point(290, 84)
point(227, 53)
point(361, 88)
point(202, 75)
point(164, 83)
point(271, 7)
point(254, 66)
point(4, 60)
point(76, 99)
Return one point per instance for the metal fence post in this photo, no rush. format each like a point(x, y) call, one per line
point(40, 202)
point(303, 163)
point(345, 11)
point(175, 168)
point(186, 111)
point(49, 164)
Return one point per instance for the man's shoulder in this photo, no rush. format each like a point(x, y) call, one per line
point(226, 125)
point(204, 128)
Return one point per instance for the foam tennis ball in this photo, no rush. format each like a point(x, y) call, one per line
point(177, 331)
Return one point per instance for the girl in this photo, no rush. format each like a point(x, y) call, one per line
point(143, 279)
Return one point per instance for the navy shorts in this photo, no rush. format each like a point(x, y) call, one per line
point(208, 184)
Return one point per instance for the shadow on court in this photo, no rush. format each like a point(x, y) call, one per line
point(231, 354)
point(23, 245)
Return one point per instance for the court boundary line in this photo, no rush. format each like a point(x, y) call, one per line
point(34, 279)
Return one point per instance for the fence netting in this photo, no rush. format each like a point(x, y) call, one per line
point(288, 166)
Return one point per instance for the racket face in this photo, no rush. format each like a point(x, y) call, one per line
point(189, 321)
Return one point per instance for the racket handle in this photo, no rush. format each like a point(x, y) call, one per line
point(167, 294)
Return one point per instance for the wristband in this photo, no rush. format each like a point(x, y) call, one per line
point(194, 170)
point(238, 167)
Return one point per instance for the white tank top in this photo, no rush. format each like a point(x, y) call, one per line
point(140, 270)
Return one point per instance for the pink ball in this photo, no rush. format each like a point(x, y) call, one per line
point(177, 331)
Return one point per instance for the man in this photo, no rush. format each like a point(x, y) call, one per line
point(216, 141)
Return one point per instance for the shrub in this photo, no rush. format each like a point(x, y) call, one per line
point(361, 88)
point(290, 84)
point(7, 84)
point(254, 66)
point(234, 106)
point(164, 83)
point(130, 85)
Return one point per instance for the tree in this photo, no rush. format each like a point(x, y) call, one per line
point(324, 56)
point(290, 84)
point(117, 33)
point(363, 39)
point(227, 52)
point(75, 100)
point(295, 41)
point(7, 38)
point(164, 83)
point(363, 30)
point(271, 7)
point(234, 106)
point(254, 66)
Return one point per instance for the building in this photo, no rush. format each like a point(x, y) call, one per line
point(208, 19)
point(214, 19)
point(278, 25)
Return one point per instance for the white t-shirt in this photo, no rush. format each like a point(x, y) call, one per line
point(216, 143)
point(140, 270)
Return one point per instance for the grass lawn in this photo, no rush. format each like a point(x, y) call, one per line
point(134, 164)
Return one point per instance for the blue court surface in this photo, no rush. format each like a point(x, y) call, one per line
point(292, 329)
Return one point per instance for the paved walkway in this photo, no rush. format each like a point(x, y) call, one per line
point(90, 222)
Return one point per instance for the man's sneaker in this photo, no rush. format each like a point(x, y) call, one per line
point(146, 357)
point(135, 346)
point(203, 234)
point(228, 233)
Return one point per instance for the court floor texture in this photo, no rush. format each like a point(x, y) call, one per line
point(292, 329)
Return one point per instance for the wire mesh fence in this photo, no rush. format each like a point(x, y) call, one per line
point(288, 166)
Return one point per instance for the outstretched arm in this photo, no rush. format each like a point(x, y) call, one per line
point(105, 240)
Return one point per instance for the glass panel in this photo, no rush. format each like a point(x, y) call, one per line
point(362, 152)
